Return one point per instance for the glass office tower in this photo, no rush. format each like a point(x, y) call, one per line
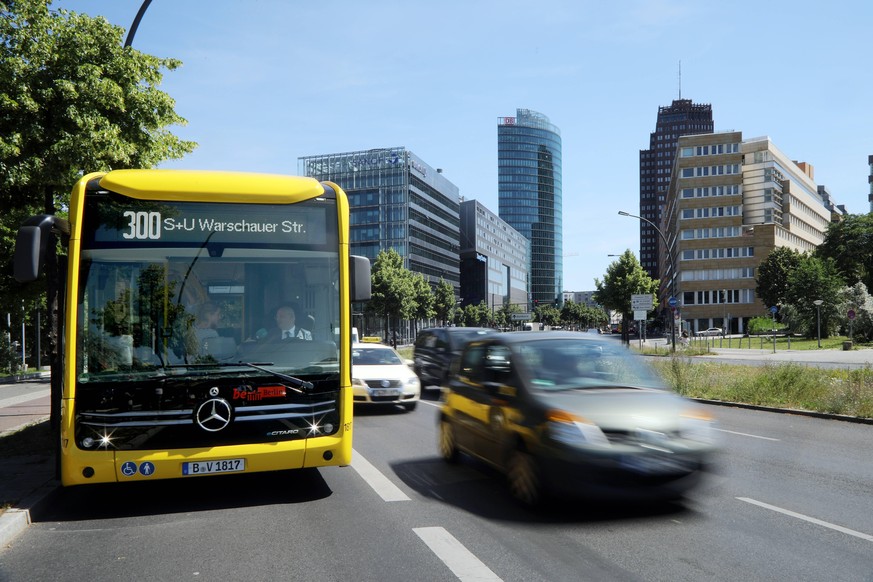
point(399, 202)
point(530, 200)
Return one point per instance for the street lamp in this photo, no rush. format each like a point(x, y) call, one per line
point(817, 304)
point(672, 267)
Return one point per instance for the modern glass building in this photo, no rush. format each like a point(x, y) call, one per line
point(494, 259)
point(529, 196)
point(397, 202)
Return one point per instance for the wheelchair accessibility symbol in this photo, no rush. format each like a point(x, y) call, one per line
point(128, 469)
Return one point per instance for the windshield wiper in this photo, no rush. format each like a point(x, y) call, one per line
point(256, 366)
point(297, 381)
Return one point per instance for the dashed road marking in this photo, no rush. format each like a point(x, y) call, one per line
point(461, 561)
point(826, 524)
point(383, 486)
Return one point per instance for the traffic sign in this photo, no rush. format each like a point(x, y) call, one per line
point(672, 302)
point(851, 314)
point(774, 309)
point(520, 317)
point(641, 302)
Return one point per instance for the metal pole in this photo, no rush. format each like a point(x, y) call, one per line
point(817, 304)
point(672, 270)
point(38, 342)
point(132, 32)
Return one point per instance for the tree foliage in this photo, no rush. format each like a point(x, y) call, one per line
point(815, 279)
point(72, 101)
point(624, 277)
point(444, 302)
point(849, 243)
point(772, 275)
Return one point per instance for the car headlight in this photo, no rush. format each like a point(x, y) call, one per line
point(697, 426)
point(412, 382)
point(573, 430)
point(357, 382)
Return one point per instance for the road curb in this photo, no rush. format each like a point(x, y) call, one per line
point(795, 411)
point(12, 522)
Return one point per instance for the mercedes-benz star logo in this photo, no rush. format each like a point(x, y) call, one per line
point(213, 415)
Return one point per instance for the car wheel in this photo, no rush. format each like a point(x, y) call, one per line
point(409, 406)
point(448, 448)
point(525, 481)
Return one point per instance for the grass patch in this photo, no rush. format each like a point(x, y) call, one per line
point(787, 385)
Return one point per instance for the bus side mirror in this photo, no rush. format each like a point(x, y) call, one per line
point(359, 276)
point(31, 243)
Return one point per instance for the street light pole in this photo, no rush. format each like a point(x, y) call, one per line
point(672, 268)
point(132, 32)
point(817, 304)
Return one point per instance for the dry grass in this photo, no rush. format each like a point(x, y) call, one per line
point(788, 385)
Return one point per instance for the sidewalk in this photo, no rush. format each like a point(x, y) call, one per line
point(857, 358)
point(27, 463)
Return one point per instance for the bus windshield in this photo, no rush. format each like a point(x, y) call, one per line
point(185, 288)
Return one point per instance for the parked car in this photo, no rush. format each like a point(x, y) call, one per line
point(436, 347)
point(381, 376)
point(712, 331)
point(572, 413)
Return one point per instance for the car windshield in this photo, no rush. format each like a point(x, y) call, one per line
point(567, 364)
point(460, 336)
point(375, 357)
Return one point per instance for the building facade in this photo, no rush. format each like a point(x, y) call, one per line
point(494, 259)
point(682, 117)
point(730, 203)
point(398, 202)
point(582, 297)
point(530, 196)
point(870, 181)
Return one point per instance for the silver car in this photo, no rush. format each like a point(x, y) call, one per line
point(564, 412)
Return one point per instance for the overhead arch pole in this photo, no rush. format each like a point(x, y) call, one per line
point(132, 32)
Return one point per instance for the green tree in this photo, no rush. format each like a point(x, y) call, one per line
point(72, 100)
point(505, 313)
point(623, 278)
point(424, 297)
point(772, 275)
point(849, 243)
point(444, 301)
point(393, 291)
point(859, 300)
point(815, 279)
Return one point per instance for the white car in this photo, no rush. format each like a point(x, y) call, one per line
point(712, 331)
point(381, 376)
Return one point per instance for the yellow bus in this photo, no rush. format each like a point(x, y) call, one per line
point(177, 282)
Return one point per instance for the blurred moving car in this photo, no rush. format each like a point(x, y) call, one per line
point(436, 347)
point(712, 331)
point(573, 413)
point(381, 376)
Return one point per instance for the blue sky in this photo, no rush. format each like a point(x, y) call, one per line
point(264, 82)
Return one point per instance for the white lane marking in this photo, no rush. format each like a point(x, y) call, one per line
point(754, 436)
point(459, 559)
point(832, 526)
point(387, 490)
point(434, 404)
point(22, 398)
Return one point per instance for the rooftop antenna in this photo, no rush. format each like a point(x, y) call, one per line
point(680, 79)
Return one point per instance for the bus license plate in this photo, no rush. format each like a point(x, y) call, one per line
point(208, 467)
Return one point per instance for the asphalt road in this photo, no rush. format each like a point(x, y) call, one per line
point(791, 500)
